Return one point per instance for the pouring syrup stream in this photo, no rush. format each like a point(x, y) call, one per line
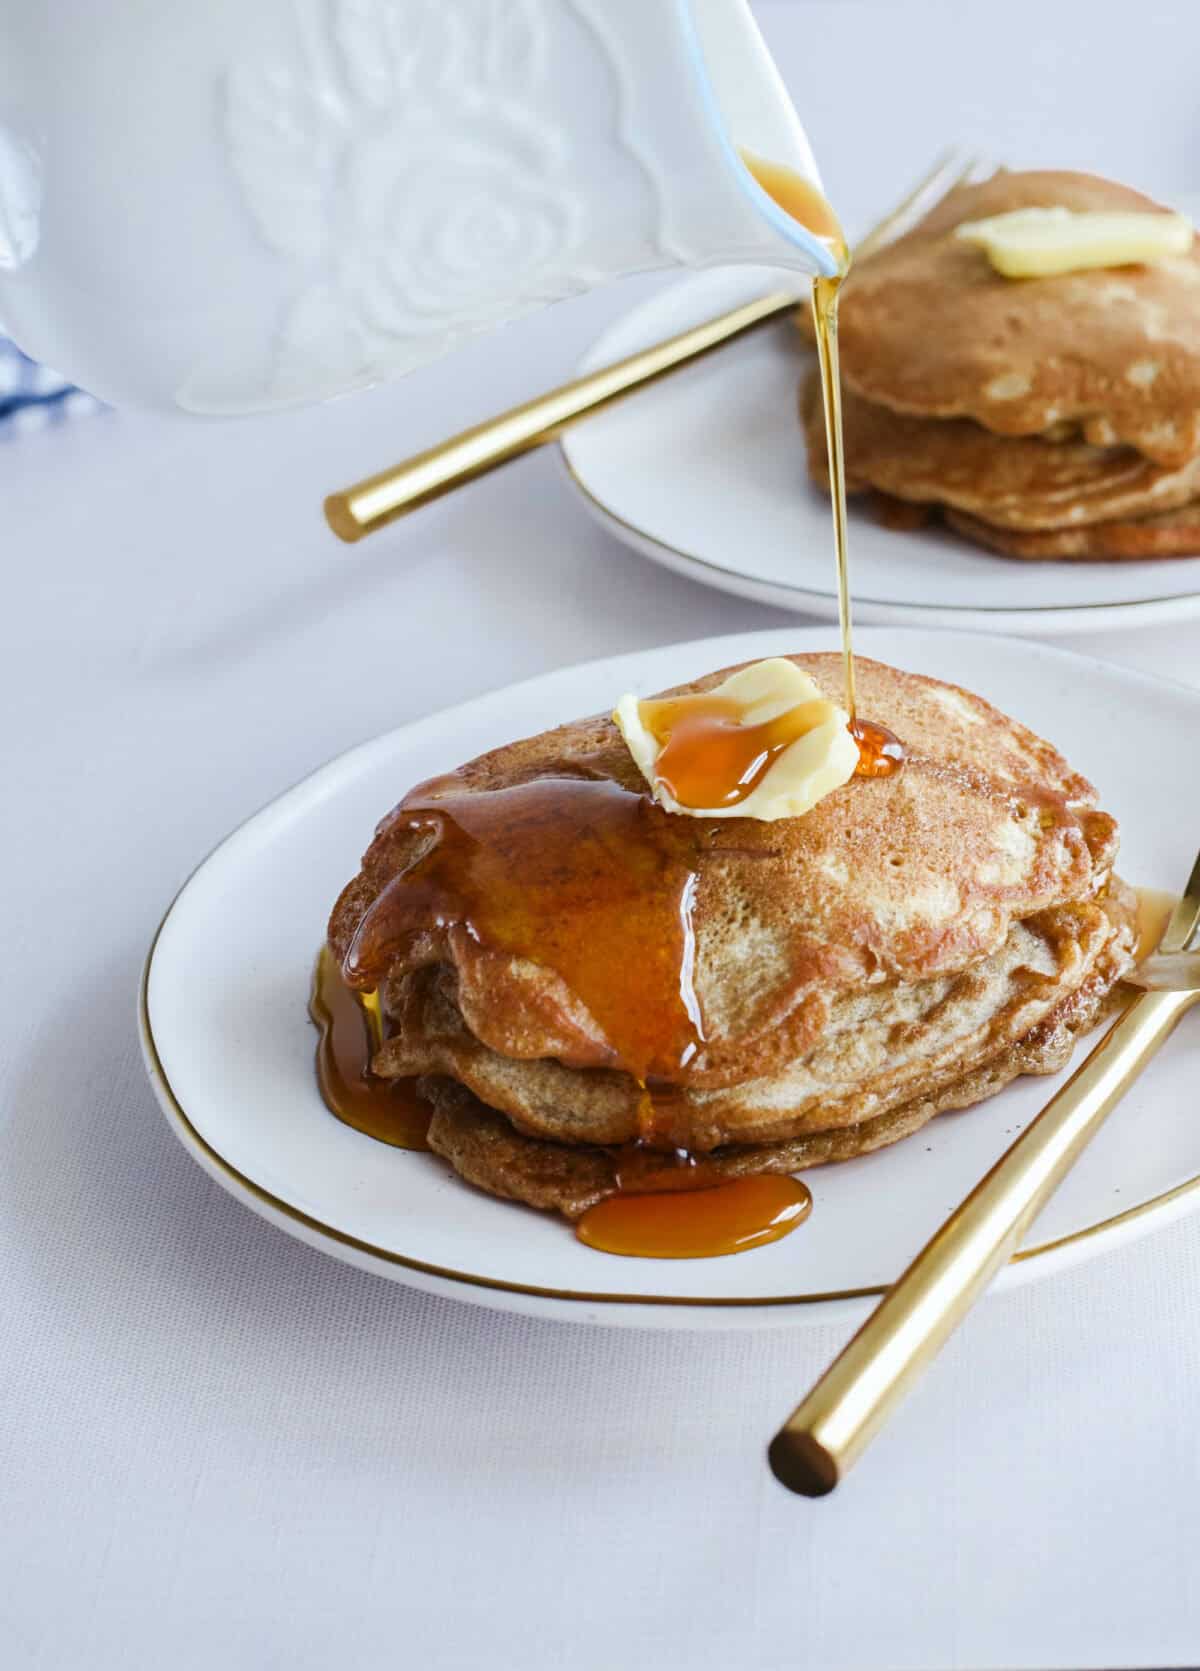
point(880, 753)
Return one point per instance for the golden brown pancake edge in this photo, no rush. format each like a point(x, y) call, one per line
point(929, 328)
point(889, 879)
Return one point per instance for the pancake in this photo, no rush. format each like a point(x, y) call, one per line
point(930, 329)
point(485, 1149)
point(1012, 482)
point(880, 1046)
point(1174, 533)
point(890, 880)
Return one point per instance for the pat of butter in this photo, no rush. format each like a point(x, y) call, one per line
point(796, 776)
point(1035, 243)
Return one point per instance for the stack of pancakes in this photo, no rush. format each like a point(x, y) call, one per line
point(909, 945)
point(1041, 417)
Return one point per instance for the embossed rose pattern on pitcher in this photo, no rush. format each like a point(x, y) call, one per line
point(397, 169)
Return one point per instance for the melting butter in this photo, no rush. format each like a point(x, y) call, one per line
point(1036, 243)
point(766, 744)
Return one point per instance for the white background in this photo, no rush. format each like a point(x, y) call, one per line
point(218, 1448)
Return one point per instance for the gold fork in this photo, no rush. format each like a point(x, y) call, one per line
point(826, 1434)
point(371, 504)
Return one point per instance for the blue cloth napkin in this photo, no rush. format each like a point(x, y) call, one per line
point(34, 397)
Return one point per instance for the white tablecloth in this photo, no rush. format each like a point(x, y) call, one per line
point(220, 1449)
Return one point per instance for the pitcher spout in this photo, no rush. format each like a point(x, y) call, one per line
point(760, 139)
point(705, 109)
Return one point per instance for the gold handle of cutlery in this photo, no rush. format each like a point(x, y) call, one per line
point(371, 504)
point(826, 1434)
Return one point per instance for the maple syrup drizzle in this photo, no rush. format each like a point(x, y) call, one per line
point(697, 1224)
point(577, 874)
point(800, 199)
point(349, 1027)
point(707, 757)
point(804, 203)
point(642, 1170)
point(658, 1103)
point(825, 318)
point(880, 752)
point(672, 1205)
point(1154, 907)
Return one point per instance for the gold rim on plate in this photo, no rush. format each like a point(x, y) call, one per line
point(191, 1136)
point(800, 593)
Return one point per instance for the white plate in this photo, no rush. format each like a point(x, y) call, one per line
point(704, 472)
point(230, 1048)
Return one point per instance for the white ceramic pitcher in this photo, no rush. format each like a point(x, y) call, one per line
point(239, 205)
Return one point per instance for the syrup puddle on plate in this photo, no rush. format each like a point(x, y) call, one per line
point(697, 1224)
point(688, 1219)
point(347, 1024)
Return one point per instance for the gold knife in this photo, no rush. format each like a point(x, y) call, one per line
point(825, 1435)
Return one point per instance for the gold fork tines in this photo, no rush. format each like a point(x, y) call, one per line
point(826, 1434)
point(370, 505)
point(1185, 918)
